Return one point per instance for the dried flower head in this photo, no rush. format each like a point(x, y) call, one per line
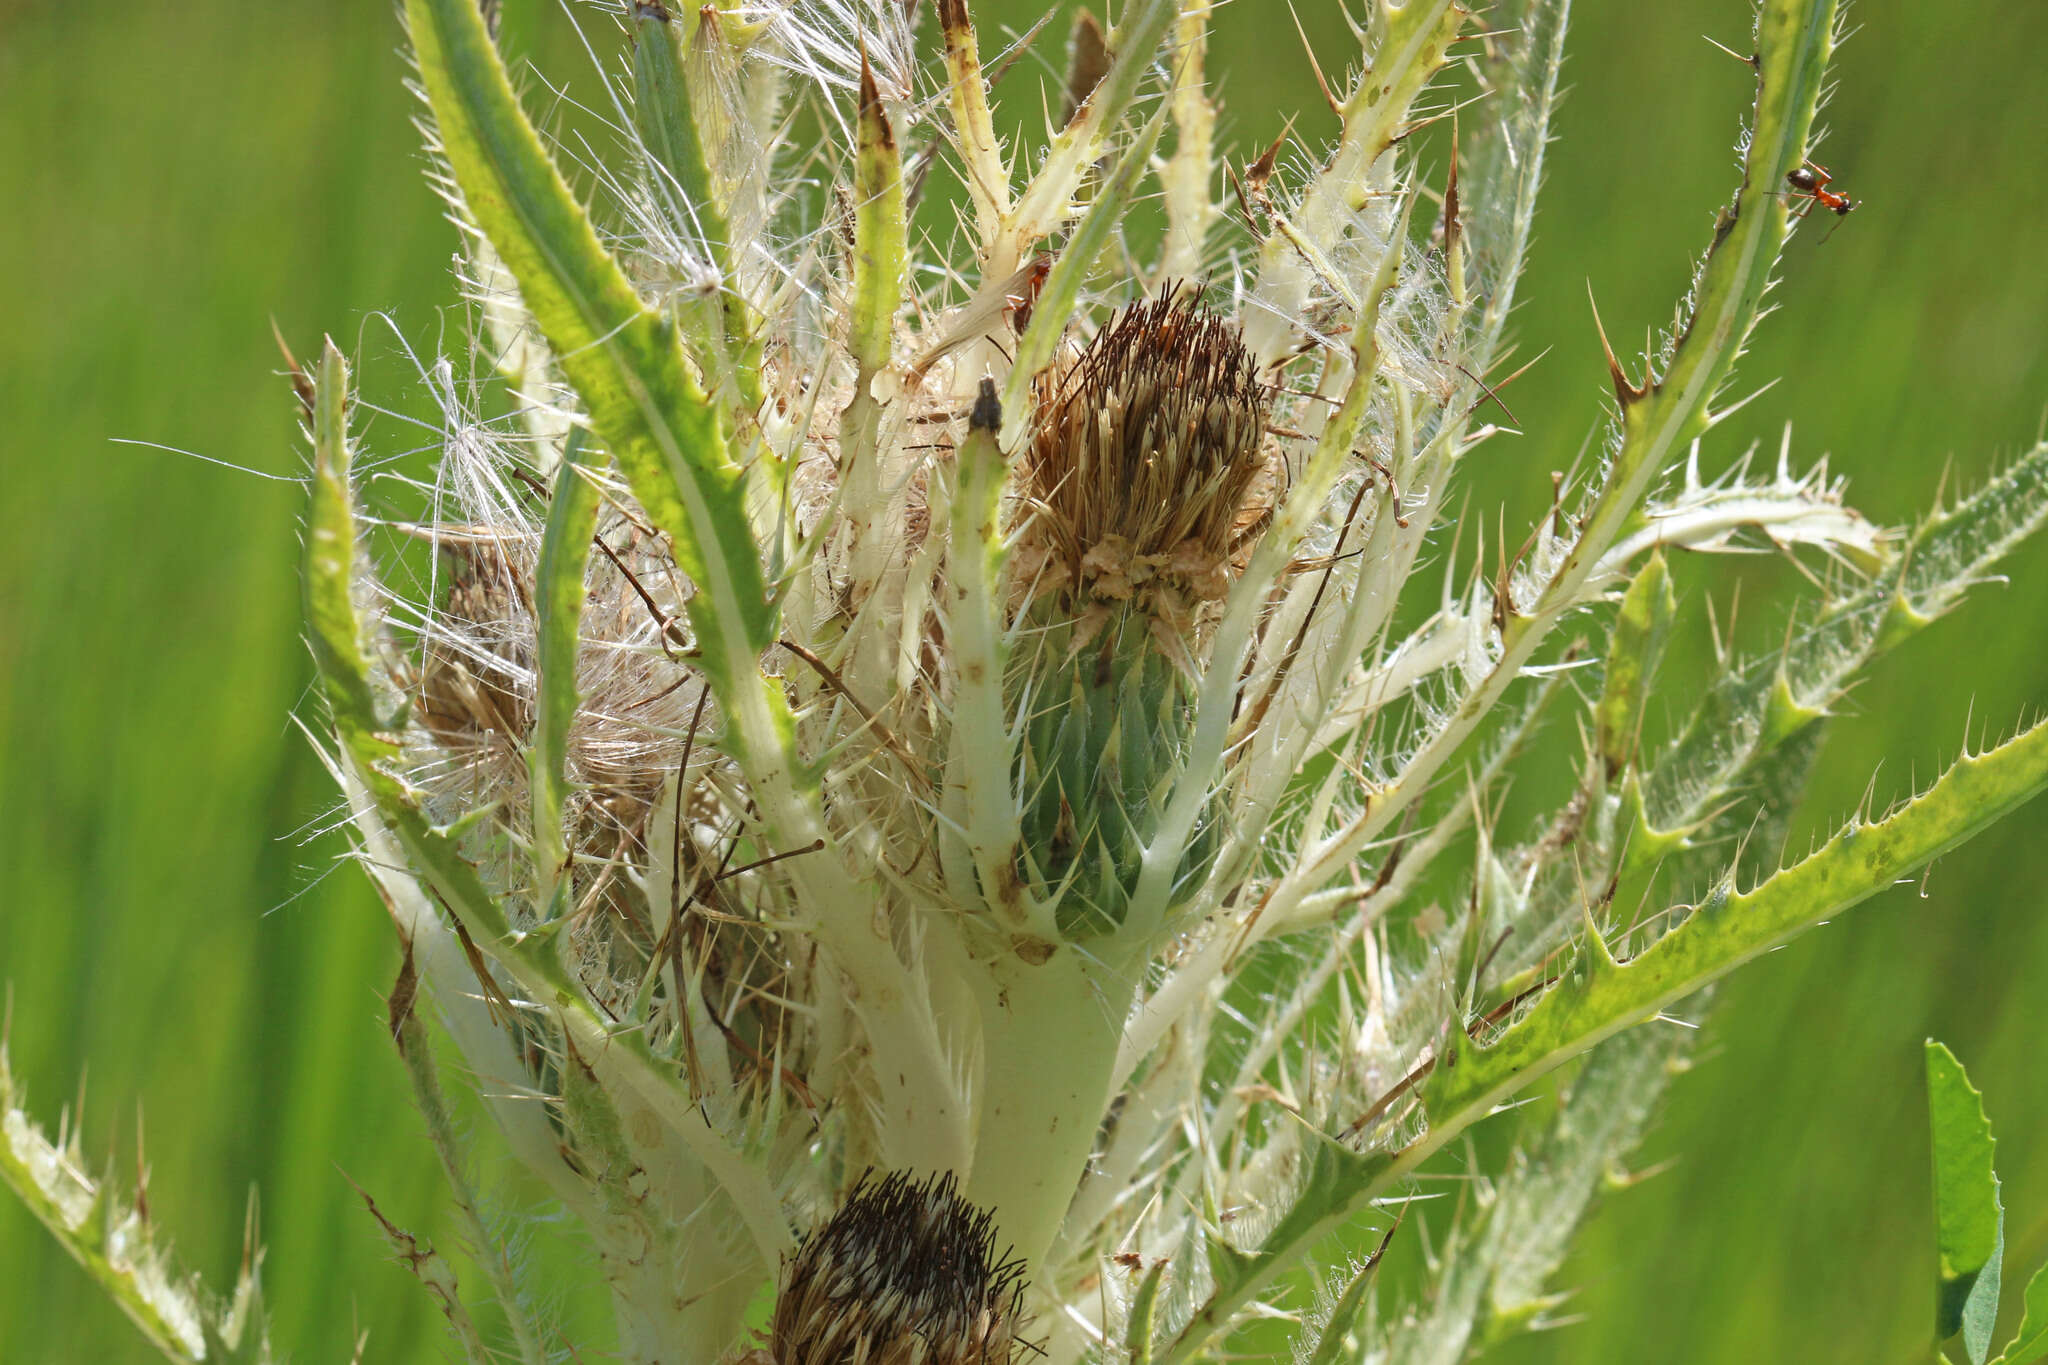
point(905, 1273)
point(1149, 467)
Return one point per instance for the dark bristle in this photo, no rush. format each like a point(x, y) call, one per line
point(905, 1271)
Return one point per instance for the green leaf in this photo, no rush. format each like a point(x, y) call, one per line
point(667, 124)
point(1749, 711)
point(1596, 997)
point(1668, 410)
point(880, 246)
point(980, 751)
point(331, 548)
point(114, 1240)
point(1044, 203)
point(2032, 1342)
point(1142, 1315)
point(1333, 1343)
point(1969, 1224)
point(1334, 1181)
point(558, 610)
point(1632, 651)
point(489, 1251)
point(624, 358)
point(431, 1269)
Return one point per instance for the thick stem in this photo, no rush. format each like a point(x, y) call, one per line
point(1051, 1035)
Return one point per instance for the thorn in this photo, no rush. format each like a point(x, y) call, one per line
point(1624, 388)
point(988, 408)
point(1750, 61)
point(1479, 975)
point(77, 1126)
point(404, 991)
point(1484, 387)
point(1503, 603)
point(1018, 47)
point(1315, 66)
point(1381, 1250)
point(1948, 465)
point(1243, 202)
point(1260, 171)
point(1624, 1180)
point(302, 383)
point(1451, 230)
point(871, 100)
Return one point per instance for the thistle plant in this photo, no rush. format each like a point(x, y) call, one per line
point(930, 781)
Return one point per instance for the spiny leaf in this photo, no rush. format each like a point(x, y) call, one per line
point(624, 358)
point(1333, 1342)
point(1540, 1203)
point(1657, 419)
point(1669, 410)
point(1044, 202)
point(1597, 997)
point(1747, 712)
point(329, 582)
point(113, 1239)
point(973, 129)
point(1335, 1178)
point(433, 1272)
point(489, 1251)
point(979, 752)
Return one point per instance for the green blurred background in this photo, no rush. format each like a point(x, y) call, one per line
point(173, 176)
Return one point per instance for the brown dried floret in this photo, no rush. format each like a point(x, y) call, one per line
point(1150, 471)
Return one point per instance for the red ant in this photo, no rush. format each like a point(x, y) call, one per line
point(1810, 182)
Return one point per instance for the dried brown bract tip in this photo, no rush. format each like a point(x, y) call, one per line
point(906, 1273)
point(1150, 464)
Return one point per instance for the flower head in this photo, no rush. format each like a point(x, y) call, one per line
point(904, 1273)
point(1149, 470)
